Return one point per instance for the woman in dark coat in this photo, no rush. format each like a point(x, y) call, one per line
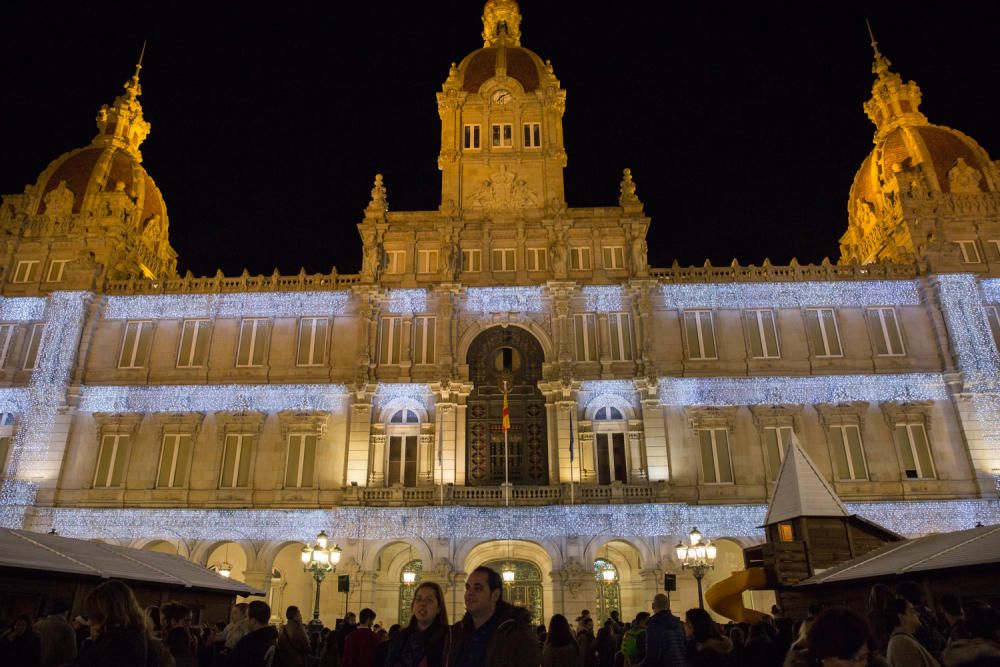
point(560, 648)
point(424, 642)
point(119, 632)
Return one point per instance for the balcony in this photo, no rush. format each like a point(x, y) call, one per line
point(521, 496)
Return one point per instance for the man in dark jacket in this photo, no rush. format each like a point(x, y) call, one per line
point(664, 636)
point(257, 646)
point(293, 645)
point(492, 633)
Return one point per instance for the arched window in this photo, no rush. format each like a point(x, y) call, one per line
point(402, 430)
point(608, 593)
point(610, 452)
point(408, 588)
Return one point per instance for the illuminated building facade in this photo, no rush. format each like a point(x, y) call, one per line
point(232, 418)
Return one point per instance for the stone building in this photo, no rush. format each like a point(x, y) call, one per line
point(231, 418)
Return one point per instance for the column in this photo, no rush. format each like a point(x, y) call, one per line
point(568, 471)
point(605, 343)
point(358, 443)
point(655, 431)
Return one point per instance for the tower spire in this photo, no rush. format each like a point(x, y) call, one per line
point(893, 103)
point(122, 124)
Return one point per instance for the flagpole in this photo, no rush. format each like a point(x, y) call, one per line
point(506, 465)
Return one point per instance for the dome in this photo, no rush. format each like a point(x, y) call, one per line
point(87, 172)
point(522, 65)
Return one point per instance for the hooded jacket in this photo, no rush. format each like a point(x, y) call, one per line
point(513, 643)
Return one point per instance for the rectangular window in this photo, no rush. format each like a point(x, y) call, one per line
point(715, 461)
point(532, 135)
point(611, 465)
point(884, 330)
point(424, 339)
point(620, 336)
point(6, 338)
point(848, 454)
point(301, 464)
point(390, 340)
point(762, 334)
point(427, 261)
point(312, 341)
point(111, 461)
point(585, 327)
point(470, 137)
point(579, 258)
point(56, 269)
point(175, 457)
point(193, 350)
point(236, 461)
point(5, 442)
point(776, 439)
point(614, 256)
point(503, 259)
point(254, 335)
point(402, 460)
point(472, 260)
point(395, 261)
point(503, 135)
point(915, 451)
point(26, 271)
point(699, 330)
point(970, 252)
point(136, 344)
point(821, 327)
point(785, 532)
point(994, 320)
point(996, 246)
point(34, 346)
point(536, 258)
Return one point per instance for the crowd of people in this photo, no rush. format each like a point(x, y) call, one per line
point(899, 630)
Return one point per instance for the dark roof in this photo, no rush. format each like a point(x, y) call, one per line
point(43, 552)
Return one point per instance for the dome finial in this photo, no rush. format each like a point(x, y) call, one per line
point(893, 103)
point(881, 64)
point(501, 23)
point(122, 124)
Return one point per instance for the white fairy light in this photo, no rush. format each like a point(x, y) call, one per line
point(792, 294)
point(22, 309)
point(210, 398)
point(406, 301)
point(969, 330)
point(504, 300)
point(30, 457)
point(624, 389)
point(387, 392)
point(484, 523)
point(798, 390)
point(14, 400)
point(246, 304)
point(604, 298)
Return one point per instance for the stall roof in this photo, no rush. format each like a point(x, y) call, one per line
point(45, 552)
point(963, 548)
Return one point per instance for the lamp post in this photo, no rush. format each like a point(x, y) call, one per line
point(319, 560)
point(699, 557)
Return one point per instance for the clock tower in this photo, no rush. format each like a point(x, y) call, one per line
point(501, 114)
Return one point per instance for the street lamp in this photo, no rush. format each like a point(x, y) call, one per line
point(318, 560)
point(699, 557)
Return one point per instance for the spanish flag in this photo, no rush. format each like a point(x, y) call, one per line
point(506, 412)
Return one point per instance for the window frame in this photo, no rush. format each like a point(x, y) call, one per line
point(846, 448)
point(781, 442)
point(501, 135)
point(30, 273)
point(581, 258)
point(145, 329)
point(261, 335)
point(993, 318)
point(395, 262)
point(620, 341)
point(53, 265)
point(311, 360)
point(423, 348)
point(473, 256)
point(7, 333)
point(714, 443)
point(241, 437)
point(964, 245)
point(826, 352)
point(585, 337)
point(908, 424)
point(199, 332)
point(536, 258)
point(428, 261)
point(884, 330)
point(393, 326)
point(756, 327)
point(119, 454)
point(503, 254)
point(176, 465)
point(33, 345)
point(304, 439)
point(613, 257)
point(697, 350)
point(531, 134)
point(472, 137)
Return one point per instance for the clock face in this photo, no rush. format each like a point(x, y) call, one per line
point(501, 97)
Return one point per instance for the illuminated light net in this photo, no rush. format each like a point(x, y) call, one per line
point(210, 398)
point(486, 523)
point(793, 295)
point(209, 306)
point(504, 300)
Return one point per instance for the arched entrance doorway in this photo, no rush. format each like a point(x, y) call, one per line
point(513, 355)
point(526, 589)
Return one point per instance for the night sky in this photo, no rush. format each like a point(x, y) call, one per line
point(742, 123)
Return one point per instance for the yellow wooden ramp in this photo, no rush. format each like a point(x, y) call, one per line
point(726, 597)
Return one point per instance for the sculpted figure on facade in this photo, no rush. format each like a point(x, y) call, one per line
point(964, 179)
point(557, 254)
point(639, 255)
